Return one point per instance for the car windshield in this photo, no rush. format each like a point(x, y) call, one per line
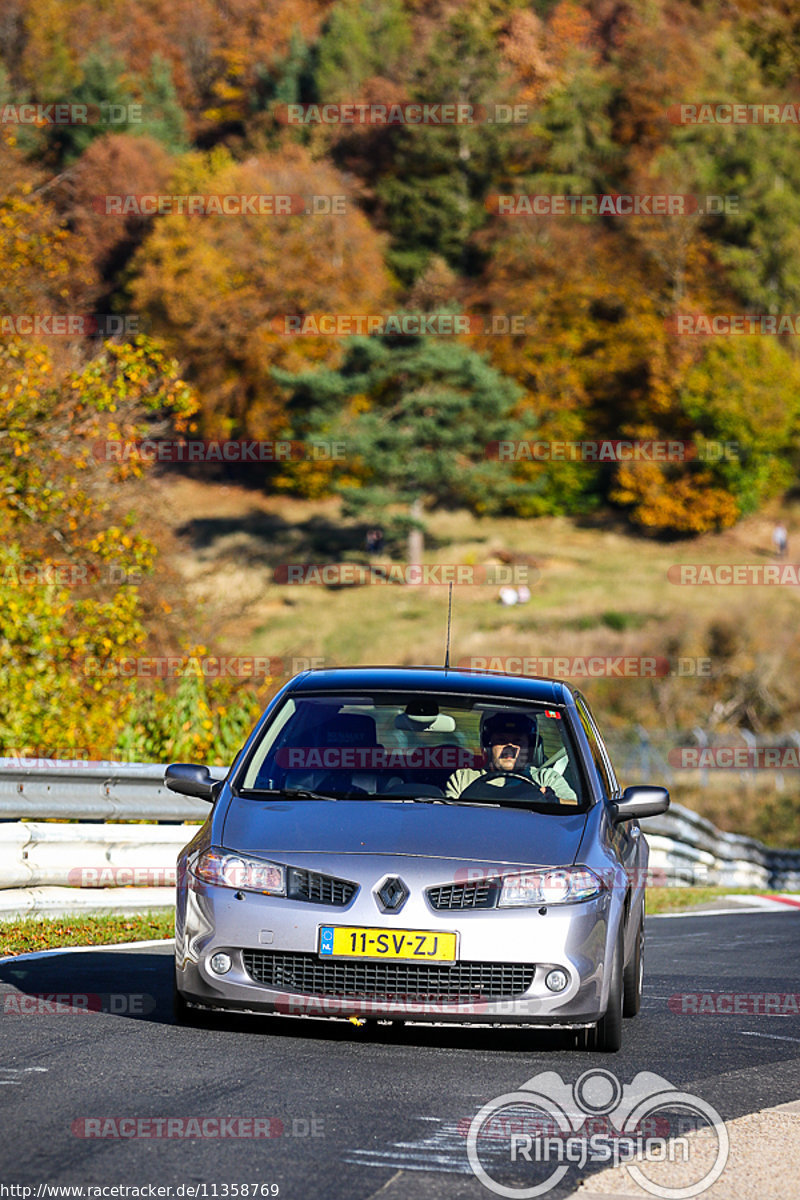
point(417, 747)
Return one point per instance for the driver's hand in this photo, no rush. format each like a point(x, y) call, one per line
point(548, 793)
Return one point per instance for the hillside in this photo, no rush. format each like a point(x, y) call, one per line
point(718, 657)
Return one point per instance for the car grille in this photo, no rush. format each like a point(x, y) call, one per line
point(481, 894)
point(320, 889)
point(388, 980)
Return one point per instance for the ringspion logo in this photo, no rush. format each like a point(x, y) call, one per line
point(511, 1139)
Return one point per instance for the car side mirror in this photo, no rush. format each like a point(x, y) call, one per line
point(638, 802)
point(191, 779)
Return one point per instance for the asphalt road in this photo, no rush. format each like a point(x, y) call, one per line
point(355, 1112)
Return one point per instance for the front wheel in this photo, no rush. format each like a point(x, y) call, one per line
point(606, 1035)
point(182, 1012)
point(633, 975)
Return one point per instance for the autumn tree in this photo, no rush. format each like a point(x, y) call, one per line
point(116, 164)
point(220, 288)
point(44, 268)
point(73, 564)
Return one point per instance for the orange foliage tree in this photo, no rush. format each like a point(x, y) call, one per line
point(218, 288)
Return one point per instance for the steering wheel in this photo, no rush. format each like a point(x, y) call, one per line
point(483, 779)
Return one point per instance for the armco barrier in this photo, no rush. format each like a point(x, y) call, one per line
point(16, 903)
point(47, 866)
point(92, 791)
point(40, 854)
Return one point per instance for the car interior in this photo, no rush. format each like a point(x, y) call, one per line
point(391, 747)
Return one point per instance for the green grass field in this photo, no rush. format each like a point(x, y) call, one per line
point(21, 937)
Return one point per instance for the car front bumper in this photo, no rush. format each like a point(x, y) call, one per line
point(578, 938)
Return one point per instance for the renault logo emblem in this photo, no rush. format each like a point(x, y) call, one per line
point(392, 894)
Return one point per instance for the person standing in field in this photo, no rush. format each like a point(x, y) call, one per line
point(780, 540)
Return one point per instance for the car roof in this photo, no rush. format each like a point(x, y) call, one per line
point(435, 679)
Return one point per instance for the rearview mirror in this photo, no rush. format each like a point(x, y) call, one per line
point(191, 779)
point(638, 802)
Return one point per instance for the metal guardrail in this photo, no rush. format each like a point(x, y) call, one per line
point(51, 854)
point(686, 848)
point(63, 846)
point(638, 753)
point(31, 790)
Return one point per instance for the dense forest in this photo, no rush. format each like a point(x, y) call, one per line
point(114, 115)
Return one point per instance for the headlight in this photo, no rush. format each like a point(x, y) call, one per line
point(244, 874)
point(564, 885)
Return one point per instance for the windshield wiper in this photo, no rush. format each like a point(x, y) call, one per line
point(307, 794)
point(538, 805)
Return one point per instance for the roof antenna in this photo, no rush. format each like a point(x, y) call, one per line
point(449, 612)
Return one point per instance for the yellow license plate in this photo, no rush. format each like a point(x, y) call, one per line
point(350, 941)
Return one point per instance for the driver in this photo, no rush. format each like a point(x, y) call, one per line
point(506, 739)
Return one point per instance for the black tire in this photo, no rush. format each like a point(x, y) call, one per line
point(181, 1012)
point(606, 1035)
point(633, 974)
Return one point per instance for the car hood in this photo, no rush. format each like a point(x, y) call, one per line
point(443, 831)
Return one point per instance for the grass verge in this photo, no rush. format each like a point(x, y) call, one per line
point(667, 899)
point(33, 933)
point(20, 937)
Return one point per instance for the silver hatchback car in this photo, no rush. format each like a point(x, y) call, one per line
point(421, 844)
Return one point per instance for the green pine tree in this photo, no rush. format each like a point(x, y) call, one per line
point(420, 434)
